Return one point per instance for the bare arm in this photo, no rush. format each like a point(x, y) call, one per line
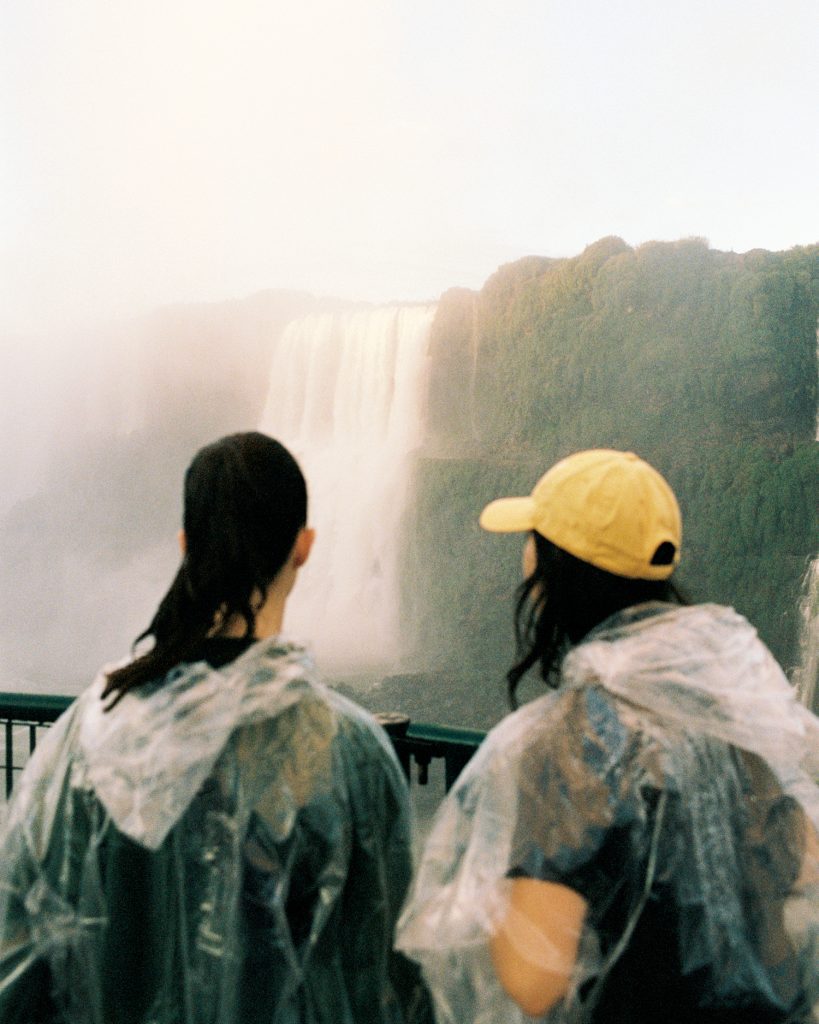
point(534, 949)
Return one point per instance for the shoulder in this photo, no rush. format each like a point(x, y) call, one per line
point(285, 677)
point(365, 745)
point(550, 771)
point(562, 725)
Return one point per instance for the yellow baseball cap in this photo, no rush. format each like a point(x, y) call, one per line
point(605, 507)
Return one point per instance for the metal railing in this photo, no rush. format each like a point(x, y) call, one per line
point(23, 716)
point(424, 742)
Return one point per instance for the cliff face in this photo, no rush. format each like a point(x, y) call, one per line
point(703, 362)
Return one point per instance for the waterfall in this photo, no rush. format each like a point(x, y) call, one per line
point(346, 396)
point(805, 674)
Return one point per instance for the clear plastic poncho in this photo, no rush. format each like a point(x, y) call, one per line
point(231, 845)
point(671, 781)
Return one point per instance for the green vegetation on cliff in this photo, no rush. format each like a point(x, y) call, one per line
point(704, 362)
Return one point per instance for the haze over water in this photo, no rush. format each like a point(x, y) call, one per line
point(380, 152)
point(344, 390)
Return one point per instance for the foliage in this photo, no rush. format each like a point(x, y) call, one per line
point(704, 362)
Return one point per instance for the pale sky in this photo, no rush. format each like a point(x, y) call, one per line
point(175, 150)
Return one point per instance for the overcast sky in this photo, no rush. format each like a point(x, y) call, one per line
point(166, 150)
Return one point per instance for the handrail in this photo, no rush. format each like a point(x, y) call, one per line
point(35, 707)
point(421, 742)
point(425, 741)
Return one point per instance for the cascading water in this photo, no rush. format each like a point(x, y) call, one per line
point(346, 397)
point(805, 675)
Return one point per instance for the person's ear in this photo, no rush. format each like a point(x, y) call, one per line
point(183, 542)
point(303, 545)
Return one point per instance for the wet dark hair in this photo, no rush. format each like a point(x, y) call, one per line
point(245, 501)
point(563, 599)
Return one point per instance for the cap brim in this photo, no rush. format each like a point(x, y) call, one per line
point(509, 515)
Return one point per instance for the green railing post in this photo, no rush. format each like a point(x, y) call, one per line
point(35, 710)
point(9, 755)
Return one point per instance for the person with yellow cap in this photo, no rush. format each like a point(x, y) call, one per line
point(640, 843)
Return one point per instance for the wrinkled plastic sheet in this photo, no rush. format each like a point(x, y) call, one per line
point(230, 846)
point(673, 769)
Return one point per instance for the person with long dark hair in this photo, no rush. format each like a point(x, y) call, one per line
point(639, 845)
point(209, 834)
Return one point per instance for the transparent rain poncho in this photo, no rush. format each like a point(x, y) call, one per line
point(229, 846)
point(671, 781)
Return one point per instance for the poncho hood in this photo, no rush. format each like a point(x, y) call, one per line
point(147, 758)
point(703, 669)
point(225, 845)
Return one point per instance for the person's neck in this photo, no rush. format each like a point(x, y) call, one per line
point(269, 616)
